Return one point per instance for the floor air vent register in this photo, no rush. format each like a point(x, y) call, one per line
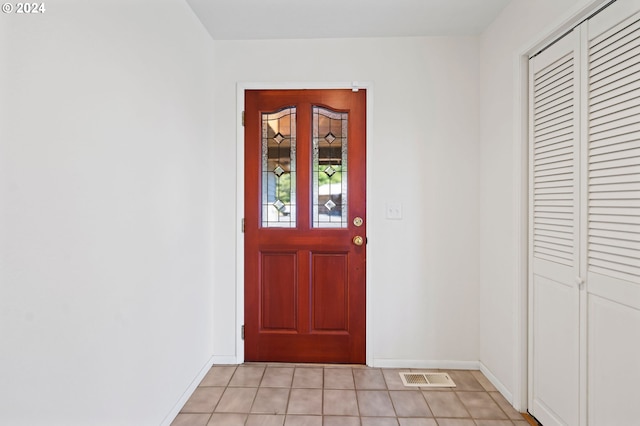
point(427, 380)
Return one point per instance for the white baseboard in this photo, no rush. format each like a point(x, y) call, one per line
point(225, 360)
point(497, 383)
point(187, 393)
point(422, 363)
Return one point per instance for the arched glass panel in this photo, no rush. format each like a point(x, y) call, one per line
point(329, 168)
point(279, 169)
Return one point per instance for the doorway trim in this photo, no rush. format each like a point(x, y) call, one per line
point(522, 297)
point(241, 87)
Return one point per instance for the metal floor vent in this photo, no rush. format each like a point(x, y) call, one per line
point(431, 380)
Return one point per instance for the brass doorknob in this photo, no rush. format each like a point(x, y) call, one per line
point(358, 240)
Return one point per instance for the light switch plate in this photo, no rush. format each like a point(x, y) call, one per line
point(394, 211)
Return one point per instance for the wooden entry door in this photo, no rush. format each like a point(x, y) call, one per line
point(305, 225)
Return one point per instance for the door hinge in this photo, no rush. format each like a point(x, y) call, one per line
point(242, 332)
point(243, 118)
point(243, 225)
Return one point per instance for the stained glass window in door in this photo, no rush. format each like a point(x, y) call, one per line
point(329, 168)
point(279, 168)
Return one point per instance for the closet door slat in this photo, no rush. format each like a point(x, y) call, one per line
point(614, 152)
point(553, 185)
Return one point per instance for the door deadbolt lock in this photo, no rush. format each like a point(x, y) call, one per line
point(358, 240)
point(357, 221)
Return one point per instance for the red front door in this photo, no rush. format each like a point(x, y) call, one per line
point(305, 225)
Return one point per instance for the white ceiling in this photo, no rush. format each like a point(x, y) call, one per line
point(286, 19)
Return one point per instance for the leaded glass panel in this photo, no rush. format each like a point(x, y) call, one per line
point(279, 169)
point(329, 168)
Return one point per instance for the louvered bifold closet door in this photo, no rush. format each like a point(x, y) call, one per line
point(554, 231)
point(613, 218)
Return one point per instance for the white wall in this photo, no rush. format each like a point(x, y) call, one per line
point(521, 24)
point(105, 217)
point(423, 268)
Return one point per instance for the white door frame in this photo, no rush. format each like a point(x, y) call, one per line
point(240, 89)
point(522, 349)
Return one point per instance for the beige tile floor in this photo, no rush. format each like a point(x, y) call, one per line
point(322, 395)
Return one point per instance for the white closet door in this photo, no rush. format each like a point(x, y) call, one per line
point(554, 234)
point(613, 215)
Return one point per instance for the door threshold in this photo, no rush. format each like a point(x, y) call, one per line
point(303, 364)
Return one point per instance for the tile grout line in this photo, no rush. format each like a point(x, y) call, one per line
point(286, 409)
point(355, 391)
point(235, 370)
point(255, 396)
point(500, 406)
point(395, 411)
point(429, 406)
point(223, 392)
point(386, 385)
point(455, 393)
point(322, 393)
